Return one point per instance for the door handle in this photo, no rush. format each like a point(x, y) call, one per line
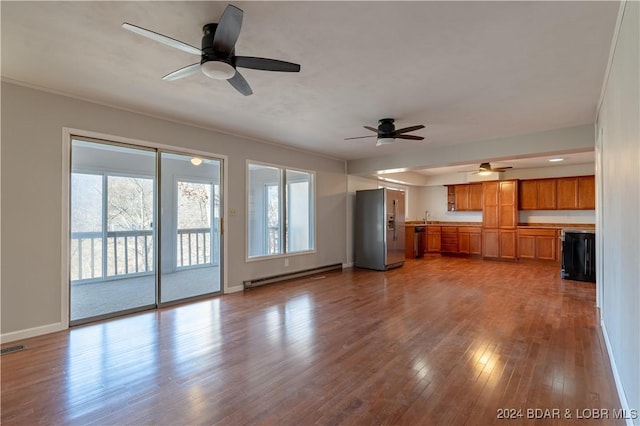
point(586, 257)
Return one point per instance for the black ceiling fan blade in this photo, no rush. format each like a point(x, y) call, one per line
point(162, 38)
point(182, 72)
point(266, 64)
point(240, 84)
point(373, 129)
point(409, 129)
point(411, 137)
point(501, 169)
point(228, 31)
point(360, 137)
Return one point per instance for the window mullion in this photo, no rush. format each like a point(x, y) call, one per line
point(283, 208)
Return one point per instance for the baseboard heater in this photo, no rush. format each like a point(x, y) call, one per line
point(289, 276)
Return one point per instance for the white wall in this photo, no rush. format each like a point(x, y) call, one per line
point(32, 194)
point(619, 205)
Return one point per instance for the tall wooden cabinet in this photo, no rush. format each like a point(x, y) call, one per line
point(500, 218)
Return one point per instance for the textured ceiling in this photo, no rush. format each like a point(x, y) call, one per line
point(467, 70)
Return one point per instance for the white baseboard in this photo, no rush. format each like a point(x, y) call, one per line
point(624, 403)
point(31, 332)
point(234, 289)
point(347, 265)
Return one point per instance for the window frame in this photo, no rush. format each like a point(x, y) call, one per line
point(282, 183)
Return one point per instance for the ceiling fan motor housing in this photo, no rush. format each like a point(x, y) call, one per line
point(213, 65)
point(386, 128)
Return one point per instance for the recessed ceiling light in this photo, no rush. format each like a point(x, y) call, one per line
point(555, 160)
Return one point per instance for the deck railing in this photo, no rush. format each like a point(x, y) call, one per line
point(128, 253)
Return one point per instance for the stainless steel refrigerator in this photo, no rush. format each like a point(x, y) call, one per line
point(379, 229)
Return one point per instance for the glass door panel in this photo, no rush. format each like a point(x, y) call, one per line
point(190, 226)
point(112, 242)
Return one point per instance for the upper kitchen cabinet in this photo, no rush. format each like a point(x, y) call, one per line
point(538, 194)
point(576, 193)
point(587, 192)
point(464, 197)
point(570, 193)
point(475, 196)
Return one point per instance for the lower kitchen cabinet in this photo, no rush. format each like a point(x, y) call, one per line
point(470, 240)
point(508, 244)
point(433, 239)
point(499, 243)
point(449, 239)
point(538, 244)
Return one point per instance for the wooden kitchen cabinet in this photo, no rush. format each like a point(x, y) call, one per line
point(433, 239)
point(464, 197)
point(469, 240)
point(491, 242)
point(507, 244)
point(449, 239)
point(451, 198)
point(500, 219)
point(587, 192)
point(490, 204)
point(508, 202)
point(569, 193)
point(475, 196)
point(528, 194)
point(546, 194)
point(538, 244)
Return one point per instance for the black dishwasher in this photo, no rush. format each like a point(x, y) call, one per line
point(579, 255)
point(419, 241)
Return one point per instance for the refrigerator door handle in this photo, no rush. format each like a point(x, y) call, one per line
point(395, 236)
point(586, 256)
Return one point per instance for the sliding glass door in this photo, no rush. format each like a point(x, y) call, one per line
point(112, 246)
point(119, 212)
point(190, 251)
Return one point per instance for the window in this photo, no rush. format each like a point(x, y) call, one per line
point(280, 205)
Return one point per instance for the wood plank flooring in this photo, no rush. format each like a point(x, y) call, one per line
point(440, 341)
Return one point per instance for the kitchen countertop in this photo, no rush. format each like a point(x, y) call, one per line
point(558, 225)
point(414, 223)
point(438, 223)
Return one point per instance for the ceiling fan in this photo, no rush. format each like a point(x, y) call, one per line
point(387, 133)
point(217, 55)
point(485, 169)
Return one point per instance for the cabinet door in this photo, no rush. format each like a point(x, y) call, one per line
point(462, 197)
point(567, 193)
point(409, 241)
point(587, 192)
point(526, 246)
point(475, 196)
point(463, 242)
point(490, 204)
point(528, 194)
point(475, 243)
point(546, 194)
point(491, 243)
point(508, 201)
point(433, 239)
point(546, 248)
point(507, 244)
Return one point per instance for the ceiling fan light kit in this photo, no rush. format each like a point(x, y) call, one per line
point(218, 70)
point(385, 141)
point(217, 54)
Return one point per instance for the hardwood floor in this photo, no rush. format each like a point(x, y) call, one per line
point(439, 341)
